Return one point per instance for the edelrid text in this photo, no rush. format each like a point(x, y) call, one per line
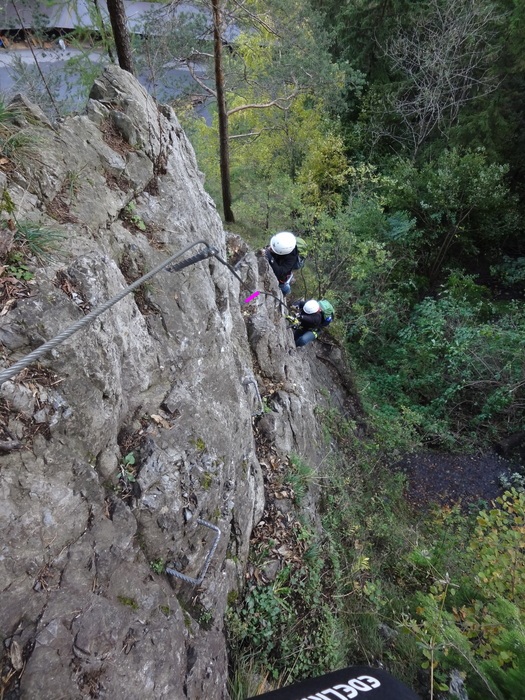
point(350, 689)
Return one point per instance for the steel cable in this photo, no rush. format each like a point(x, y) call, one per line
point(88, 318)
point(209, 252)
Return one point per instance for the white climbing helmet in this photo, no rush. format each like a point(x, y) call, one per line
point(311, 307)
point(283, 243)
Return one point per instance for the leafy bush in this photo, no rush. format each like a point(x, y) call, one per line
point(473, 620)
point(454, 367)
point(287, 625)
point(511, 271)
point(460, 201)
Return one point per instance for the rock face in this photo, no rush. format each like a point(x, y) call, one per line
point(140, 426)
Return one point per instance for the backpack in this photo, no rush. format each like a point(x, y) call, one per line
point(302, 246)
point(303, 252)
point(328, 312)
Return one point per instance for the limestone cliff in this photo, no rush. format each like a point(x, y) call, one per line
point(142, 424)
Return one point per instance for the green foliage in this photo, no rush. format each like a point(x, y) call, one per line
point(457, 200)
point(515, 480)
point(35, 239)
point(497, 545)
point(128, 471)
point(199, 444)
point(205, 619)
point(129, 459)
point(129, 215)
point(510, 271)
point(477, 624)
point(454, 366)
point(288, 625)
point(323, 175)
point(17, 268)
point(359, 271)
point(128, 602)
point(299, 476)
point(158, 566)
point(287, 628)
point(370, 533)
point(295, 164)
point(266, 406)
point(507, 678)
point(247, 679)
point(72, 181)
point(18, 146)
point(207, 480)
point(29, 239)
point(359, 28)
point(14, 143)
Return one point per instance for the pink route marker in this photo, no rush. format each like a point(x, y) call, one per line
point(252, 296)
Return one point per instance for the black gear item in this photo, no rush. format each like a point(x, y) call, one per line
point(359, 682)
point(283, 265)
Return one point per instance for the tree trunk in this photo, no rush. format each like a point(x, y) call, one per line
point(117, 15)
point(106, 37)
point(223, 115)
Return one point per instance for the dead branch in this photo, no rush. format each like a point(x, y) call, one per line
point(200, 82)
point(445, 62)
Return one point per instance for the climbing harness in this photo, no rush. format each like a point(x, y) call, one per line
point(293, 321)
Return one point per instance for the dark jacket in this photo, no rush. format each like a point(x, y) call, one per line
point(309, 322)
point(283, 265)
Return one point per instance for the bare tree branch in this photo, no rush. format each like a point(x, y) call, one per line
point(266, 105)
point(254, 134)
point(255, 18)
point(444, 61)
point(206, 88)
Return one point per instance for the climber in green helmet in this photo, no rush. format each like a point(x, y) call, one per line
point(283, 257)
point(312, 316)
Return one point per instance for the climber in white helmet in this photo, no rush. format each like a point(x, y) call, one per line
point(310, 319)
point(283, 257)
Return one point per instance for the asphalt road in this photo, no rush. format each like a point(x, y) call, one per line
point(52, 61)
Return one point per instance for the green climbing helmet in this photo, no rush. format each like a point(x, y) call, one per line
point(326, 308)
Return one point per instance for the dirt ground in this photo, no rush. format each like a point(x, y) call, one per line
point(433, 478)
point(448, 479)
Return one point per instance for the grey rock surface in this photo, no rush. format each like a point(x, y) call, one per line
point(139, 425)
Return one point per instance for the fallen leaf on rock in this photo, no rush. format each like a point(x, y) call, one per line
point(285, 552)
point(15, 654)
point(160, 421)
point(8, 306)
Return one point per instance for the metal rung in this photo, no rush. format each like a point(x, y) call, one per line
point(198, 581)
